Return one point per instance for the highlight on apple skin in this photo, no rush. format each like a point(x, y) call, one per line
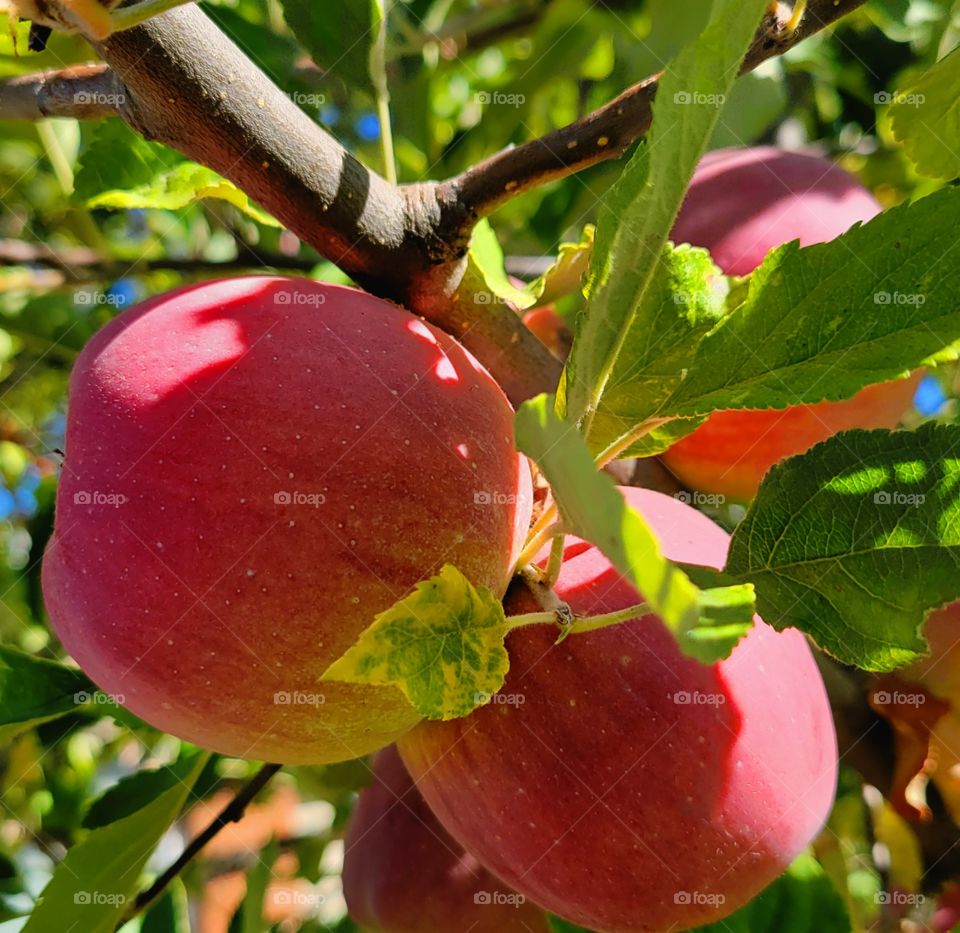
point(634, 789)
point(741, 204)
point(255, 468)
point(404, 873)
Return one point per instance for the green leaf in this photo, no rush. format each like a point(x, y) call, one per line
point(683, 301)
point(121, 170)
point(856, 540)
point(757, 102)
point(34, 690)
point(656, 438)
point(486, 257)
point(559, 925)
point(134, 792)
point(248, 917)
point(639, 210)
point(170, 914)
point(820, 323)
point(592, 507)
point(926, 119)
point(339, 35)
point(803, 900)
point(442, 646)
point(95, 883)
point(565, 274)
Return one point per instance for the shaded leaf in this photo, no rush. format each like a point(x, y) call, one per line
point(339, 35)
point(248, 917)
point(803, 900)
point(121, 170)
point(34, 690)
point(135, 791)
point(170, 914)
point(95, 883)
point(856, 540)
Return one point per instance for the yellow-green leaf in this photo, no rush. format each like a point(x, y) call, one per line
point(925, 117)
point(442, 646)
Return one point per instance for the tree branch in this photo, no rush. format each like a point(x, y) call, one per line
point(86, 92)
point(184, 83)
point(231, 813)
point(190, 87)
point(71, 260)
point(607, 132)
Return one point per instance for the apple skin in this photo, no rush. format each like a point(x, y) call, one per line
point(403, 873)
point(550, 329)
point(741, 204)
point(603, 796)
point(207, 597)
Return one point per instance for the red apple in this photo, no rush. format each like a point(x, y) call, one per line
point(403, 873)
point(947, 915)
point(743, 203)
point(255, 468)
point(622, 785)
point(551, 329)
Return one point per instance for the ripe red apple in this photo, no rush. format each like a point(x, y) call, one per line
point(622, 785)
point(743, 203)
point(404, 873)
point(255, 468)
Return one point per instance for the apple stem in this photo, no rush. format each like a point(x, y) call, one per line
point(547, 599)
point(555, 610)
point(583, 624)
point(623, 444)
point(576, 625)
point(799, 8)
point(535, 542)
point(552, 572)
point(378, 73)
point(547, 517)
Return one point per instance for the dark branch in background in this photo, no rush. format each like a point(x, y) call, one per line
point(607, 132)
point(231, 813)
point(477, 29)
point(87, 92)
point(75, 261)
